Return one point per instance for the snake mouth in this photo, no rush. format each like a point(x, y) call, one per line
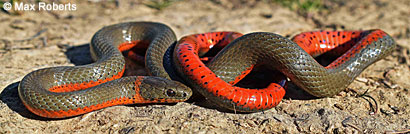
point(183, 92)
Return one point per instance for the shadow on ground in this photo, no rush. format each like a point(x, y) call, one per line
point(79, 55)
point(11, 98)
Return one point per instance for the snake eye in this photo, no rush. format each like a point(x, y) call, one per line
point(184, 95)
point(171, 93)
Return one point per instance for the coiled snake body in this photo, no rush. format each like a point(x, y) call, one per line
point(60, 92)
point(215, 80)
point(68, 91)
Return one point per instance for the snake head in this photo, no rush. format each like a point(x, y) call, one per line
point(159, 90)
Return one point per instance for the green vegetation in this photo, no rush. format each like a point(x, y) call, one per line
point(159, 4)
point(302, 6)
point(2, 2)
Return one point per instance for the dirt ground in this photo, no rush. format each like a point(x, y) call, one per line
point(39, 39)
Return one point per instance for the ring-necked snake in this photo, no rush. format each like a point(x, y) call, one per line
point(60, 92)
point(215, 80)
point(67, 91)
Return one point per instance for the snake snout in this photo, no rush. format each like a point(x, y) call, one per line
point(165, 90)
point(178, 90)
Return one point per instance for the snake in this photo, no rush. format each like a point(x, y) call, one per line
point(216, 79)
point(60, 92)
point(67, 91)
